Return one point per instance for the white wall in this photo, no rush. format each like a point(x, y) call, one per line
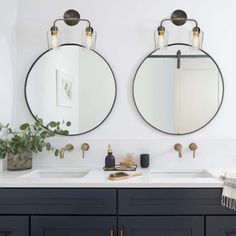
point(7, 58)
point(125, 37)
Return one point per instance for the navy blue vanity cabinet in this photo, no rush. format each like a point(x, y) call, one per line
point(73, 226)
point(114, 212)
point(221, 225)
point(161, 225)
point(14, 225)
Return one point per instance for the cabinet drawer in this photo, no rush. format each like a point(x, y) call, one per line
point(58, 201)
point(170, 202)
point(161, 225)
point(73, 225)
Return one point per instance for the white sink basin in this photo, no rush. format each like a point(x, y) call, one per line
point(181, 174)
point(56, 173)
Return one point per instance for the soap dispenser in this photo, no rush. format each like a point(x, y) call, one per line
point(110, 159)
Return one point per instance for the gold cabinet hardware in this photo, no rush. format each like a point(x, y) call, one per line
point(121, 232)
point(178, 148)
point(112, 232)
point(193, 148)
point(84, 148)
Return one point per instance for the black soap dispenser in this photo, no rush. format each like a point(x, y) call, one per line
point(110, 159)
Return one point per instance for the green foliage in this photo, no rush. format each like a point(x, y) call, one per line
point(30, 137)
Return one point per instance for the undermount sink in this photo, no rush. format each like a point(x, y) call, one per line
point(181, 174)
point(56, 173)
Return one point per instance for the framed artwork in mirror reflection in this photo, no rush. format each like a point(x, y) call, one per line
point(64, 89)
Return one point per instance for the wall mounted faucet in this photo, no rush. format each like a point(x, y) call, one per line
point(178, 148)
point(68, 148)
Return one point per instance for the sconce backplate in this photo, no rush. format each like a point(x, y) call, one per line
point(179, 17)
point(69, 14)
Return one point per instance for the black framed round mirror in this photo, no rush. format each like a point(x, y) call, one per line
point(178, 89)
point(72, 84)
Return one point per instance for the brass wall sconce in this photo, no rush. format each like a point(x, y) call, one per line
point(71, 18)
point(178, 18)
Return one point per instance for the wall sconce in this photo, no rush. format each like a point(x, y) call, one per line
point(72, 17)
point(179, 18)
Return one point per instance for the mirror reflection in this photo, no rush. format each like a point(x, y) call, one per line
point(71, 84)
point(178, 89)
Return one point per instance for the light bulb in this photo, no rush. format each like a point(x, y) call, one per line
point(195, 41)
point(89, 38)
point(161, 38)
point(54, 38)
point(89, 41)
point(54, 41)
point(196, 37)
point(161, 41)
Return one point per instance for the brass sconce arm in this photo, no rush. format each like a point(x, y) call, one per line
point(89, 24)
point(179, 17)
point(71, 19)
point(55, 21)
point(181, 21)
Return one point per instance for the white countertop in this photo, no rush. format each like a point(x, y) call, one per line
point(97, 178)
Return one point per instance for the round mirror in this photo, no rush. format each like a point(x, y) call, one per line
point(71, 84)
point(178, 89)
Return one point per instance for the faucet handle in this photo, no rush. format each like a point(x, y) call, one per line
point(178, 148)
point(84, 148)
point(193, 147)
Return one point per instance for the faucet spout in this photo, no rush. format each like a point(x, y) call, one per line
point(178, 148)
point(68, 148)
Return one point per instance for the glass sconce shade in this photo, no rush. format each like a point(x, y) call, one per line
point(161, 38)
point(89, 37)
point(196, 38)
point(54, 38)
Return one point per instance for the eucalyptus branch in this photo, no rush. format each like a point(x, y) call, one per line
point(30, 137)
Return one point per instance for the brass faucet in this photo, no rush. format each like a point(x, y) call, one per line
point(68, 147)
point(178, 148)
